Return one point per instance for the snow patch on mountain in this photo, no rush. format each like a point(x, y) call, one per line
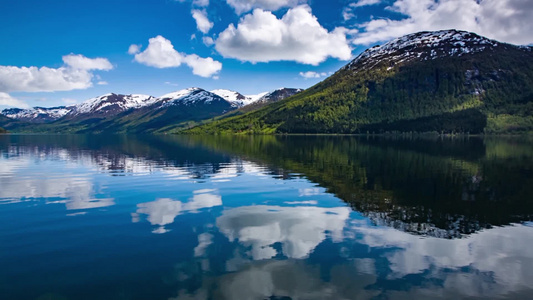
point(237, 99)
point(423, 46)
point(189, 96)
point(121, 103)
point(36, 113)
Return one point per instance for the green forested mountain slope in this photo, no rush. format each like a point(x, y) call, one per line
point(445, 81)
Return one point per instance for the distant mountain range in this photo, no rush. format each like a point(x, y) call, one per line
point(444, 81)
point(135, 113)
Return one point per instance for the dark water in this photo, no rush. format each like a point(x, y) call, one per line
point(148, 217)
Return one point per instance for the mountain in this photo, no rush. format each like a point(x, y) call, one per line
point(37, 114)
point(235, 98)
point(270, 97)
point(444, 81)
point(117, 113)
point(113, 113)
point(110, 104)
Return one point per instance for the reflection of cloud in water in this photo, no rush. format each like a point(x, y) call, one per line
point(17, 183)
point(204, 240)
point(309, 192)
point(298, 229)
point(500, 258)
point(308, 202)
point(286, 278)
point(163, 211)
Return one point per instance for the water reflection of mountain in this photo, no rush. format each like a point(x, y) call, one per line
point(120, 154)
point(444, 188)
point(437, 187)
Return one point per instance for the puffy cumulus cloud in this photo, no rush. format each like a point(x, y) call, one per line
point(208, 41)
point(241, 6)
point(7, 100)
point(75, 74)
point(202, 22)
point(503, 20)
point(204, 67)
point(160, 53)
point(84, 63)
point(312, 74)
point(297, 36)
point(134, 49)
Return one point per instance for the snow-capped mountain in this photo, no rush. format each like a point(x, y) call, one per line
point(189, 96)
point(278, 95)
point(110, 104)
point(144, 112)
point(237, 99)
point(423, 46)
point(37, 114)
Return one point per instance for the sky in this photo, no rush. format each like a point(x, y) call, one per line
point(62, 52)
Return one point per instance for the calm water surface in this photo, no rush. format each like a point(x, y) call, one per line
point(148, 217)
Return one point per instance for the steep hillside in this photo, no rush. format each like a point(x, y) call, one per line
point(444, 81)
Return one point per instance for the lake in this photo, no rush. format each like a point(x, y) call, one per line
point(265, 217)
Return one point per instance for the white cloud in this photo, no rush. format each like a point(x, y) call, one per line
point(160, 53)
point(208, 41)
point(7, 100)
point(102, 82)
point(81, 62)
point(202, 22)
point(312, 74)
point(297, 36)
point(134, 49)
point(201, 3)
point(75, 74)
point(503, 20)
point(365, 3)
point(241, 6)
point(204, 67)
point(348, 12)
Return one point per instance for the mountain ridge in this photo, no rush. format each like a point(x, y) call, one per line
point(135, 112)
point(444, 81)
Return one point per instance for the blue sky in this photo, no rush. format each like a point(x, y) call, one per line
point(63, 52)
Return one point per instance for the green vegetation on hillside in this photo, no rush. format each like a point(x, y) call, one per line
point(489, 91)
point(2, 130)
